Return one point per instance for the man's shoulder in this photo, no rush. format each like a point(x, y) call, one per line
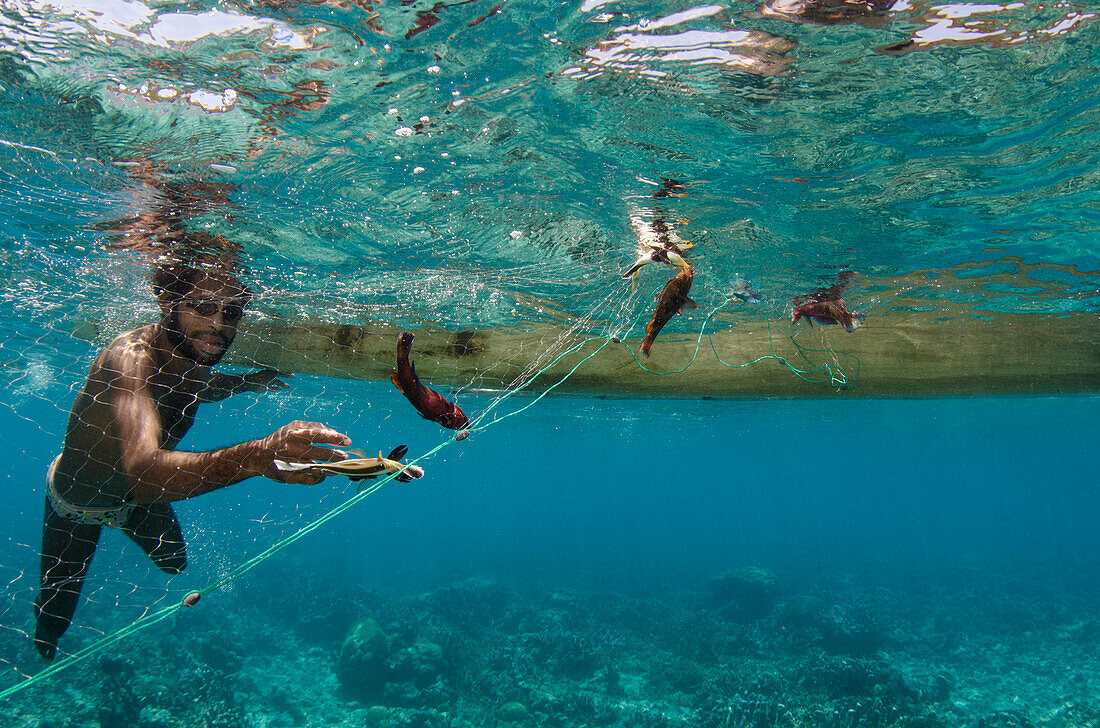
point(129, 350)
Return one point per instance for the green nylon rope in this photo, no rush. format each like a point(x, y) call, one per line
point(835, 376)
point(150, 619)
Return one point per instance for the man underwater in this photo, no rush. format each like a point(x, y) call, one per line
point(118, 467)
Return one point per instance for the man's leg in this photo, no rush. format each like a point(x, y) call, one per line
point(67, 550)
point(156, 530)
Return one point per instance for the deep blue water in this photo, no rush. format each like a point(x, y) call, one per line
point(974, 513)
point(643, 495)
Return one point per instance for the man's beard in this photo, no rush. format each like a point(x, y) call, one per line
point(186, 348)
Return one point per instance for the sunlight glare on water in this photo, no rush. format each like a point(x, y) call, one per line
point(438, 162)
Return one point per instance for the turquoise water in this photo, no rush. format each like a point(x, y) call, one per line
point(589, 561)
point(546, 130)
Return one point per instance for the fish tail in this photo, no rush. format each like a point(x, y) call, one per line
point(646, 346)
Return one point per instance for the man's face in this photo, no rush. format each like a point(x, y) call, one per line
point(203, 323)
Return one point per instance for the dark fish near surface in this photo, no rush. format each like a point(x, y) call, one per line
point(657, 243)
point(671, 188)
point(825, 307)
point(669, 254)
point(430, 404)
point(671, 301)
point(827, 312)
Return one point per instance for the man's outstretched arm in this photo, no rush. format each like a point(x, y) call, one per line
point(157, 474)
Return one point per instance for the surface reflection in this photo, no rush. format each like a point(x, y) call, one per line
point(872, 13)
point(641, 50)
point(994, 24)
point(166, 212)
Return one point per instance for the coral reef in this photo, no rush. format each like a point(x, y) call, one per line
point(745, 594)
point(476, 652)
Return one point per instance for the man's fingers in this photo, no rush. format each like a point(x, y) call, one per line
point(327, 436)
point(327, 454)
point(305, 441)
point(315, 432)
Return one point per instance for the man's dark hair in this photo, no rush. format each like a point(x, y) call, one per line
point(176, 270)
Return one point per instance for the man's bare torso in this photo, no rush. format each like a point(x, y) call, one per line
point(88, 472)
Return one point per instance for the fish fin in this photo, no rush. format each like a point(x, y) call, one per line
point(853, 322)
point(357, 451)
point(397, 382)
point(357, 478)
point(689, 304)
point(398, 452)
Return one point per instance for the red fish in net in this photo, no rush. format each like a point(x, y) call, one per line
point(826, 307)
point(430, 404)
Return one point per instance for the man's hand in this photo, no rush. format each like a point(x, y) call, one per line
point(300, 442)
point(265, 380)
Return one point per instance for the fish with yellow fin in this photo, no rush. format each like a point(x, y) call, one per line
point(364, 466)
